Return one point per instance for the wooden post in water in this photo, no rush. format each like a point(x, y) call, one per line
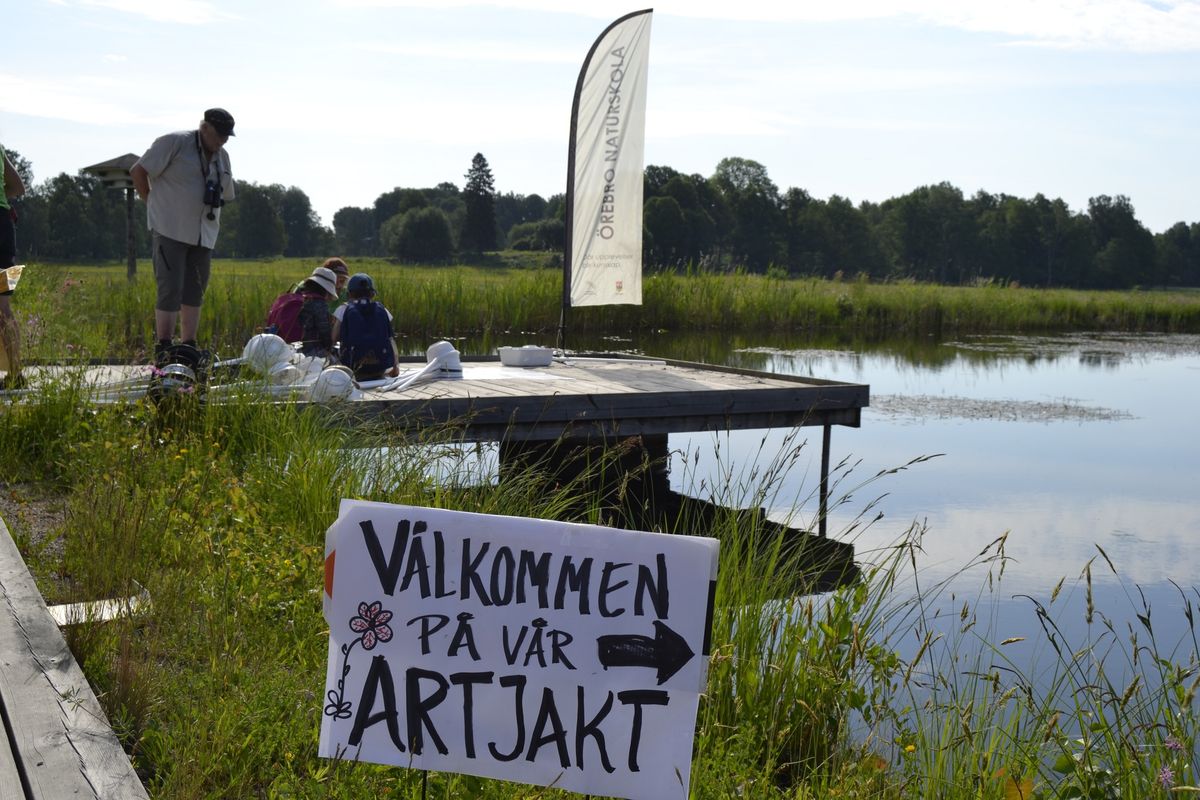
point(824, 499)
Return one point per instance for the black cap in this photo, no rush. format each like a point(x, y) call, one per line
point(220, 119)
point(360, 285)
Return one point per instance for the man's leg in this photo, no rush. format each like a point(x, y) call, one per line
point(170, 266)
point(164, 324)
point(195, 283)
point(10, 332)
point(189, 322)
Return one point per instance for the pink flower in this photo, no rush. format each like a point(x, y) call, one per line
point(1174, 744)
point(371, 622)
point(1166, 776)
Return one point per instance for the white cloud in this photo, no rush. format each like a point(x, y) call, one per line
point(81, 99)
point(479, 51)
point(186, 12)
point(1131, 25)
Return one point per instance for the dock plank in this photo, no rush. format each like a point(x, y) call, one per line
point(10, 778)
point(64, 746)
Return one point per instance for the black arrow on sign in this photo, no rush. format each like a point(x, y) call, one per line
point(667, 651)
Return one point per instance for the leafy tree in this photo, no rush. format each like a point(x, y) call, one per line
point(827, 237)
point(545, 234)
point(655, 179)
point(515, 209)
point(479, 195)
point(556, 207)
point(420, 234)
point(1125, 249)
point(667, 229)
point(72, 231)
point(397, 201)
point(1066, 243)
point(930, 234)
point(301, 226)
point(1178, 253)
point(355, 232)
point(754, 202)
point(254, 229)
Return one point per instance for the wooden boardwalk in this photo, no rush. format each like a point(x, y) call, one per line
point(57, 742)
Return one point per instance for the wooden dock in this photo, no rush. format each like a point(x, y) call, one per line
point(56, 740)
point(616, 396)
point(595, 399)
point(585, 396)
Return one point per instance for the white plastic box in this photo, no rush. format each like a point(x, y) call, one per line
point(528, 356)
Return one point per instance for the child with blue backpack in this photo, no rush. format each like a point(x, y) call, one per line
point(363, 327)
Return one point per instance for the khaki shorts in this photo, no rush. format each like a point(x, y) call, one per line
point(181, 271)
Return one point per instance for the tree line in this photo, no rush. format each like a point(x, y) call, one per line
point(735, 218)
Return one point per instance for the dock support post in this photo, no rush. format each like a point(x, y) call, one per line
point(824, 499)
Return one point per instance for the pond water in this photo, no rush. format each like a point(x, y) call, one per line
point(1068, 444)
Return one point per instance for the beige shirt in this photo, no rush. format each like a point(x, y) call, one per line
point(175, 207)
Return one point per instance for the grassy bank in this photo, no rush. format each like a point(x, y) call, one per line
point(93, 309)
point(217, 691)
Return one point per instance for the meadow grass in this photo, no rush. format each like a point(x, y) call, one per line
point(93, 311)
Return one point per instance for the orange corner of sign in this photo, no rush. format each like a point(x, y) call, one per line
point(329, 572)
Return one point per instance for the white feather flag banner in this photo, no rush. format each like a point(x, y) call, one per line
point(604, 180)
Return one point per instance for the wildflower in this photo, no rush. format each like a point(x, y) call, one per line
point(910, 748)
point(1166, 776)
point(371, 622)
point(1174, 745)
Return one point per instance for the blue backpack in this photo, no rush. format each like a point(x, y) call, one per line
point(366, 339)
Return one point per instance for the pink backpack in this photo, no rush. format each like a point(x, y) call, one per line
point(284, 317)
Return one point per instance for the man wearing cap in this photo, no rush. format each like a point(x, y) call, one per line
point(185, 178)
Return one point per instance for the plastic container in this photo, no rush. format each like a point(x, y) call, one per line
point(530, 355)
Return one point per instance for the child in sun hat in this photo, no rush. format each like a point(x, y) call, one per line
point(303, 315)
point(339, 268)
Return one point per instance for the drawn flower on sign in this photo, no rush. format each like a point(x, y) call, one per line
point(371, 625)
point(371, 622)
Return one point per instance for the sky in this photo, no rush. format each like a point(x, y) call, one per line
point(866, 99)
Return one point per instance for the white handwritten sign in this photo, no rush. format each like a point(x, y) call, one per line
point(529, 650)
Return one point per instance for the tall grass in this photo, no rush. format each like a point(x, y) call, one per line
point(81, 310)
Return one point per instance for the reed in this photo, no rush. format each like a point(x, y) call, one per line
point(91, 311)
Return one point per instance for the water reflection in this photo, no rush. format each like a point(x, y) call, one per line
point(1116, 465)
